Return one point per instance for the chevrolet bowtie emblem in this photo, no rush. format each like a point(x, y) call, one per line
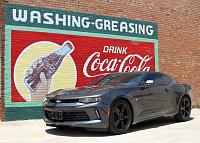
point(58, 101)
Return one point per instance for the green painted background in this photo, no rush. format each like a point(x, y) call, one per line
point(93, 17)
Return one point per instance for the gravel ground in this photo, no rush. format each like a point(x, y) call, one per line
point(162, 130)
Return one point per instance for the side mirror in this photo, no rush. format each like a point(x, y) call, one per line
point(147, 84)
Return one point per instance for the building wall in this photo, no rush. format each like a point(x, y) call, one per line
point(178, 30)
point(2, 39)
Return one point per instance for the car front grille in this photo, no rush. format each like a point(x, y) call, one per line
point(75, 116)
point(67, 116)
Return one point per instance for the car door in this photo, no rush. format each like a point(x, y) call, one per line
point(161, 96)
point(166, 96)
point(151, 99)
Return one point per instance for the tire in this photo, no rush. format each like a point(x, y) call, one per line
point(184, 110)
point(120, 118)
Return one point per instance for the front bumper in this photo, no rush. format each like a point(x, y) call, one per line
point(98, 115)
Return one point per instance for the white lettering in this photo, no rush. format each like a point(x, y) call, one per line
point(141, 29)
point(114, 26)
point(85, 22)
point(62, 19)
point(149, 30)
point(128, 64)
point(106, 49)
point(35, 15)
point(123, 27)
point(48, 18)
point(82, 21)
point(76, 21)
point(131, 26)
point(21, 16)
point(115, 49)
point(107, 25)
point(68, 20)
point(99, 24)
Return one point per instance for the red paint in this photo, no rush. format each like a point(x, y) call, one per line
point(85, 46)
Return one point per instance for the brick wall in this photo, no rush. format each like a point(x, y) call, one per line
point(2, 39)
point(178, 29)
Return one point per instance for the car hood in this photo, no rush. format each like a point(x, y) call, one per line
point(81, 91)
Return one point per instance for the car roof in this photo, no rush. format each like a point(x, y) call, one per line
point(141, 72)
point(152, 72)
point(137, 72)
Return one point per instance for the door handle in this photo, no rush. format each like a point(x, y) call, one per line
point(166, 89)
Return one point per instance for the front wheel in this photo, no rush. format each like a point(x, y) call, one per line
point(120, 117)
point(184, 110)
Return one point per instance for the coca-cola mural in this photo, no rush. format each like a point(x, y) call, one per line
point(50, 49)
point(45, 62)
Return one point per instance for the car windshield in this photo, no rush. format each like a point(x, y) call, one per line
point(118, 78)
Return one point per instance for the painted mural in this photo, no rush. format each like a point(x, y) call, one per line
point(48, 50)
point(47, 62)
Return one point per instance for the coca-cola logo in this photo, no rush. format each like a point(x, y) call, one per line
point(122, 62)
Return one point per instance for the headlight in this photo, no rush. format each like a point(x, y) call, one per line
point(87, 100)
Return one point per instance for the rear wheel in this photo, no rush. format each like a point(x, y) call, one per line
point(120, 117)
point(184, 110)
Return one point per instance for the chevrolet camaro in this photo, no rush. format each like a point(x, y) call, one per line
point(116, 101)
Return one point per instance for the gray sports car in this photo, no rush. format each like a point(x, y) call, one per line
point(116, 101)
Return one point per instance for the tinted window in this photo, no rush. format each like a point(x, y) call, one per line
point(158, 79)
point(119, 78)
point(165, 80)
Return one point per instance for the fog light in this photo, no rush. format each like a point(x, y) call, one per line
point(97, 113)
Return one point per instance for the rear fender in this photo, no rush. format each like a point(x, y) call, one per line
point(187, 92)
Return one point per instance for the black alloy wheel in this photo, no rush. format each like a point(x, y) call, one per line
point(184, 110)
point(120, 117)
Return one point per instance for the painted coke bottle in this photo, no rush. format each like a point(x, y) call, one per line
point(48, 65)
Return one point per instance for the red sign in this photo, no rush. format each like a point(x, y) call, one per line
point(76, 60)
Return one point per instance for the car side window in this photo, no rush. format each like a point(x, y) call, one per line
point(165, 80)
point(134, 80)
point(158, 79)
